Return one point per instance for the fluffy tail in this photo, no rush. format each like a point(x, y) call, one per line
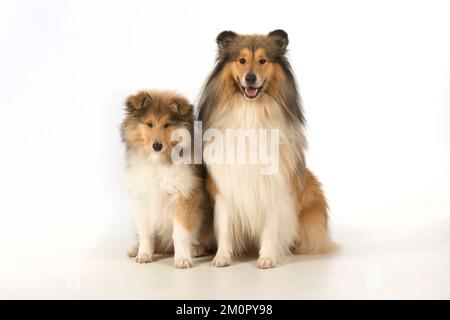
point(314, 235)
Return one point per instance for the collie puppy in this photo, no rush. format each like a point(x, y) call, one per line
point(253, 86)
point(171, 210)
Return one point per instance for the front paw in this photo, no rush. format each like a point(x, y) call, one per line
point(266, 263)
point(221, 261)
point(183, 263)
point(144, 258)
point(133, 252)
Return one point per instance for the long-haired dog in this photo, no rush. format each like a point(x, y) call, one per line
point(171, 210)
point(253, 86)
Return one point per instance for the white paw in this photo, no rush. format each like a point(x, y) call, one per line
point(183, 263)
point(144, 258)
point(266, 263)
point(221, 261)
point(133, 252)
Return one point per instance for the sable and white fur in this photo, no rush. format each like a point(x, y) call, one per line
point(171, 210)
point(277, 214)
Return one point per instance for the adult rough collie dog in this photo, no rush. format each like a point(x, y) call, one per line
point(252, 86)
point(171, 209)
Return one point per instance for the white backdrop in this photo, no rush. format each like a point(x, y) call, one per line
point(374, 78)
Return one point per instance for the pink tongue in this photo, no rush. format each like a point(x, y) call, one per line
point(251, 92)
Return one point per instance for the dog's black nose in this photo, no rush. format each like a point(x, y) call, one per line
point(157, 146)
point(250, 78)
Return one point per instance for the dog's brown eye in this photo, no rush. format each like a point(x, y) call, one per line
point(150, 125)
point(242, 61)
point(262, 61)
point(166, 125)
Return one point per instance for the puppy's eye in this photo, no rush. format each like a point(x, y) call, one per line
point(242, 61)
point(166, 125)
point(262, 61)
point(150, 125)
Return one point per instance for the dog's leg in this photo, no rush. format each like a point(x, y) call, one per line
point(280, 230)
point(182, 239)
point(222, 227)
point(269, 243)
point(186, 226)
point(146, 248)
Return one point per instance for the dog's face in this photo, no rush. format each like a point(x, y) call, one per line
point(252, 60)
point(251, 71)
point(151, 120)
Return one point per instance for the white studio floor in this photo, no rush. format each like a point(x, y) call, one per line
point(374, 263)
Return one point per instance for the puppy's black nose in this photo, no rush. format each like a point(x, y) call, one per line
point(250, 78)
point(157, 146)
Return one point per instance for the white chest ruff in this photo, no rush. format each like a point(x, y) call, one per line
point(251, 196)
point(154, 188)
point(147, 179)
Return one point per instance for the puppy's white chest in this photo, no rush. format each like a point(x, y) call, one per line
point(154, 188)
point(175, 180)
point(146, 179)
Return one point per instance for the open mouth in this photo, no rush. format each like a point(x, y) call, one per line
point(251, 92)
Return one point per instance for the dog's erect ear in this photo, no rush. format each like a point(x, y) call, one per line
point(140, 101)
point(280, 37)
point(225, 38)
point(181, 106)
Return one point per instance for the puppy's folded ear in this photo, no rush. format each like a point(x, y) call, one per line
point(137, 102)
point(280, 37)
point(225, 38)
point(181, 107)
